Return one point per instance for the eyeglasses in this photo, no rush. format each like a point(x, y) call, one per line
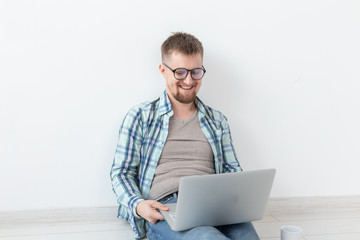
point(181, 73)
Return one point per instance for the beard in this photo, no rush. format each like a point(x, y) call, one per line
point(185, 99)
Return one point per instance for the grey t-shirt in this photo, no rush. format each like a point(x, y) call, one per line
point(186, 152)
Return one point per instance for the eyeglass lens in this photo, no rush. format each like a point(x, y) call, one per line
point(196, 73)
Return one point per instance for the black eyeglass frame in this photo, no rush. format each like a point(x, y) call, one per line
point(187, 72)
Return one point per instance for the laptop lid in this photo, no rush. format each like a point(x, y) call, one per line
point(221, 199)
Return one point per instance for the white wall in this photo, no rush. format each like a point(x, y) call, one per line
point(285, 73)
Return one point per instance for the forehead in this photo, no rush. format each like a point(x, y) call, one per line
point(178, 59)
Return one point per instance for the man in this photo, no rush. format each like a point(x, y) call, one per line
point(173, 136)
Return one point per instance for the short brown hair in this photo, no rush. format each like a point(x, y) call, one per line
point(184, 43)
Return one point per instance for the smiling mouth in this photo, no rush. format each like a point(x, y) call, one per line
point(186, 88)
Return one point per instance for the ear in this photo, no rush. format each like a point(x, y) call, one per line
point(162, 70)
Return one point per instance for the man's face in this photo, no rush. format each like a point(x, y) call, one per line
point(183, 91)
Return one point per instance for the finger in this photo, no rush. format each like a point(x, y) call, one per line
point(152, 220)
point(160, 206)
point(156, 215)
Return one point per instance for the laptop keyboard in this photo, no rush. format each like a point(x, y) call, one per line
point(172, 215)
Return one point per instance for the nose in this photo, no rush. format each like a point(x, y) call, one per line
point(188, 80)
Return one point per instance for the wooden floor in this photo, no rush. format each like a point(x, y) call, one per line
point(322, 218)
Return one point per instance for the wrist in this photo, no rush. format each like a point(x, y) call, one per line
point(133, 203)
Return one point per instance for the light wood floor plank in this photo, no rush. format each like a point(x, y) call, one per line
point(344, 236)
point(58, 228)
point(105, 235)
point(322, 218)
point(317, 216)
point(313, 204)
point(311, 227)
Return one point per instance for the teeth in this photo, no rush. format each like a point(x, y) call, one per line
point(187, 88)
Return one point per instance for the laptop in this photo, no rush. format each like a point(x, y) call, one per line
point(220, 199)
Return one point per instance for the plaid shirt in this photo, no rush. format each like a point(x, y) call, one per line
point(141, 140)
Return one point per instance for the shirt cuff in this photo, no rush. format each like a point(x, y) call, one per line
point(134, 201)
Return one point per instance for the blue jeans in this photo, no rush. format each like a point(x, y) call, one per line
point(162, 231)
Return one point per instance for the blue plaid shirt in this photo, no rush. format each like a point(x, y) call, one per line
point(141, 140)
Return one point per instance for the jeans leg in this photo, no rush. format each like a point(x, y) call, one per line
point(240, 231)
point(204, 233)
point(161, 230)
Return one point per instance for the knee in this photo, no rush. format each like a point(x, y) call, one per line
point(240, 231)
point(250, 231)
point(205, 233)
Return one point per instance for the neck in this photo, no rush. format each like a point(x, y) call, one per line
point(184, 111)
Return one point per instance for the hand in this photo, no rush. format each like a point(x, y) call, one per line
point(147, 209)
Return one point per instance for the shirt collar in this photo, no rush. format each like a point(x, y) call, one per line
point(165, 104)
point(200, 107)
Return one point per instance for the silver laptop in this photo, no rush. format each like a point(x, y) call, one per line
point(220, 199)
